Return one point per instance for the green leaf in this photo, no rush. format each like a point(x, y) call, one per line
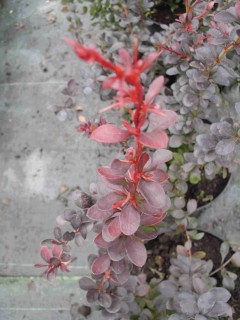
point(199, 254)
point(224, 249)
point(197, 236)
point(147, 229)
point(236, 259)
point(192, 222)
point(66, 1)
point(194, 179)
point(178, 157)
point(85, 9)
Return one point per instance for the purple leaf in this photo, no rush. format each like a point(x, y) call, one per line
point(68, 236)
point(91, 258)
point(101, 264)
point(237, 10)
point(159, 157)
point(145, 207)
point(57, 233)
point(118, 266)
point(115, 306)
point(129, 220)
point(142, 290)
point(112, 230)
point(87, 283)
point(95, 213)
point(121, 292)
point(151, 220)
point(159, 175)
point(79, 240)
point(105, 203)
point(123, 277)
point(105, 300)
point(220, 309)
point(117, 250)
point(136, 252)
point(92, 296)
point(224, 147)
point(153, 193)
point(107, 173)
point(100, 242)
point(120, 166)
point(162, 122)
point(224, 17)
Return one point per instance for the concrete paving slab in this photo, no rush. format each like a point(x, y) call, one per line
point(31, 298)
point(39, 154)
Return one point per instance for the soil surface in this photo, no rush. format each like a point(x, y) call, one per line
point(162, 13)
point(163, 248)
point(206, 190)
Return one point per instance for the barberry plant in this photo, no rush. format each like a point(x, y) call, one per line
point(131, 199)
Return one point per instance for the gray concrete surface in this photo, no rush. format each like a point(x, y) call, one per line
point(39, 154)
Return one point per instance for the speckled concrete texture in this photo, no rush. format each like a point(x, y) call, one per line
point(39, 155)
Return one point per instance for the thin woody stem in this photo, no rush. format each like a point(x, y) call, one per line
point(187, 6)
point(189, 251)
point(223, 54)
point(221, 267)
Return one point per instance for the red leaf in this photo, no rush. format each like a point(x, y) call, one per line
point(40, 265)
point(136, 252)
point(126, 59)
point(95, 213)
point(114, 178)
point(156, 139)
point(89, 54)
point(148, 61)
point(101, 264)
point(108, 133)
point(129, 220)
point(45, 253)
point(64, 268)
point(153, 193)
point(142, 161)
point(56, 251)
point(154, 89)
